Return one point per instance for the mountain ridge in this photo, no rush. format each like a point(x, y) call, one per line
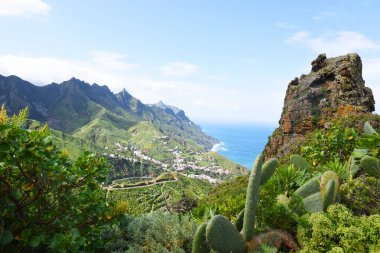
point(78, 103)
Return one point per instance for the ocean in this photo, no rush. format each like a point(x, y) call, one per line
point(239, 143)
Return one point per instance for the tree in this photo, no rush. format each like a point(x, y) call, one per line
point(46, 200)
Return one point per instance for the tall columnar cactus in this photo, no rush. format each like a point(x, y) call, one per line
point(267, 171)
point(221, 235)
point(252, 199)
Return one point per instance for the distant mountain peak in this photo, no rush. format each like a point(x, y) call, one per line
point(164, 106)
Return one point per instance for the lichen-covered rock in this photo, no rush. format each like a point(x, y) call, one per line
point(333, 85)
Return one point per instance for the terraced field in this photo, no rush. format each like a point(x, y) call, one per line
point(180, 195)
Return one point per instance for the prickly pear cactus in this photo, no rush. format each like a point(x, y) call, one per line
point(368, 129)
point(223, 237)
point(327, 175)
point(328, 196)
point(200, 244)
point(299, 162)
point(310, 187)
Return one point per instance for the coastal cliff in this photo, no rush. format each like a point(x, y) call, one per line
point(333, 85)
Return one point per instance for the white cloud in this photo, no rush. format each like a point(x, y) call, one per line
point(202, 101)
point(23, 8)
point(339, 43)
point(180, 69)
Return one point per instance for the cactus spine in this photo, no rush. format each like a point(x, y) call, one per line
point(252, 199)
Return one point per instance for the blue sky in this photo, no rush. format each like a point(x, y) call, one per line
point(220, 61)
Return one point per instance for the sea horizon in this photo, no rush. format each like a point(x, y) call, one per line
point(240, 143)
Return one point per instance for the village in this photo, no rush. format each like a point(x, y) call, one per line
point(191, 169)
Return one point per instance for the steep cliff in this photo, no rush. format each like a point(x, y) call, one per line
point(333, 85)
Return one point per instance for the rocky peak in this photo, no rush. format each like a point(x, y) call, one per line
point(332, 85)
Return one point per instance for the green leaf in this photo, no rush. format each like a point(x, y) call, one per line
point(35, 241)
point(6, 238)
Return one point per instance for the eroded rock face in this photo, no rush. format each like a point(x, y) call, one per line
point(333, 85)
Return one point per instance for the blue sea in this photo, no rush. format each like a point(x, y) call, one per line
point(239, 143)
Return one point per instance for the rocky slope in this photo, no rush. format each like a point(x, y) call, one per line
point(332, 86)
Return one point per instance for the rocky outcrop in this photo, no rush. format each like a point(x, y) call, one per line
point(333, 85)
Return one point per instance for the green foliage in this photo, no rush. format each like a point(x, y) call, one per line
point(46, 200)
point(362, 195)
point(227, 198)
point(288, 178)
point(154, 232)
point(335, 165)
point(325, 145)
point(371, 166)
point(223, 237)
point(179, 196)
point(338, 228)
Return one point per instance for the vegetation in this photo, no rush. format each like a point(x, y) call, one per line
point(47, 202)
point(324, 199)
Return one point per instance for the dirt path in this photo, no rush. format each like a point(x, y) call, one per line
point(140, 186)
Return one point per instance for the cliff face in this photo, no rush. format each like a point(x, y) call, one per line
point(333, 85)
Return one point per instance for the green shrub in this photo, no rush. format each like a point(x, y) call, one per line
point(338, 228)
point(161, 232)
point(322, 146)
point(47, 201)
point(362, 195)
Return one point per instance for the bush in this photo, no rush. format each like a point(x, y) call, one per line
point(326, 145)
point(338, 229)
point(154, 232)
point(46, 200)
point(362, 195)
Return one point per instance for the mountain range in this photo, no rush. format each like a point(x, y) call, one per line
point(72, 106)
point(112, 123)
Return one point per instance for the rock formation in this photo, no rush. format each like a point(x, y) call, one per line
point(333, 85)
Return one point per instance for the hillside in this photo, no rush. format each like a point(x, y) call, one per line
point(119, 126)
